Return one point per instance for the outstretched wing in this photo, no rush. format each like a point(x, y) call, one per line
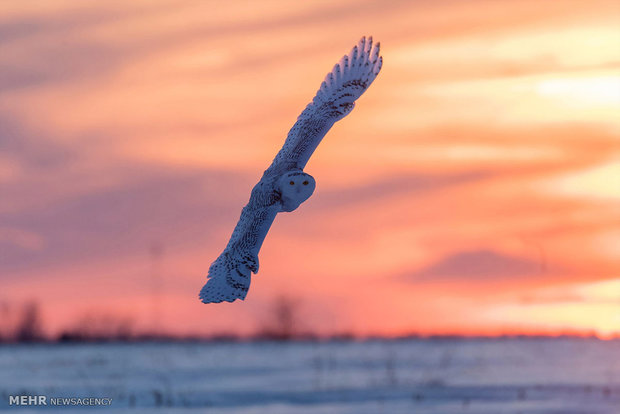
point(229, 275)
point(334, 100)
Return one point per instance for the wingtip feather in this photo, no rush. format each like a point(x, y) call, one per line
point(355, 72)
point(214, 292)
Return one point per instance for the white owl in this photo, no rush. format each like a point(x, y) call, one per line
point(284, 185)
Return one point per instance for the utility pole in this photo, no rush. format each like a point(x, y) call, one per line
point(156, 253)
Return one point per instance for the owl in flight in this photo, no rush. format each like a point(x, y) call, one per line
point(284, 185)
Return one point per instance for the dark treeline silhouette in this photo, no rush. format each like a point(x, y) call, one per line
point(98, 328)
point(23, 323)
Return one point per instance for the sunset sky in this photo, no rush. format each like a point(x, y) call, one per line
point(475, 188)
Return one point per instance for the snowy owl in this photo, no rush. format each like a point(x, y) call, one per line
point(284, 185)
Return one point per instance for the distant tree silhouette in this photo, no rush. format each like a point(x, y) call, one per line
point(282, 325)
point(5, 322)
point(29, 326)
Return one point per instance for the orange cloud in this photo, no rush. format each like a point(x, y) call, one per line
point(489, 137)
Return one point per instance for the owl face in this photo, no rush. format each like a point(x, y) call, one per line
point(295, 187)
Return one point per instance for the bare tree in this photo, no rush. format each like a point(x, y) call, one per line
point(282, 325)
point(6, 327)
point(29, 326)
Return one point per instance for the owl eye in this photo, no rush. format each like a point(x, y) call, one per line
point(305, 182)
point(292, 183)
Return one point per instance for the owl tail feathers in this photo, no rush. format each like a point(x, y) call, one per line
point(227, 281)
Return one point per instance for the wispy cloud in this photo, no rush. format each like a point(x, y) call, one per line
point(479, 265)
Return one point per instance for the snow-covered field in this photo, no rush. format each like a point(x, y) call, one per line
point(562, 376)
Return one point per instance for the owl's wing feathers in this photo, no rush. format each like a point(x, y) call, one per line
point(333, 101)
point(229, 275)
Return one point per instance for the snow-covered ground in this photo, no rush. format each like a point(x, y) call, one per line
point(561, 376)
